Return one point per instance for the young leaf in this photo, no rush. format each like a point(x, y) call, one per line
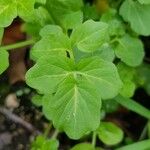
point(133, 106)
point(75, 108)
point(89, 36)
point(83, 146)
point(130, 50)
point(142, 145)
point(109, 133)
point(53, 42)
point(66, 13)
point(127, 75)
point(3, 60)
point(137, 15)
point(8, 11)
point(41, 143)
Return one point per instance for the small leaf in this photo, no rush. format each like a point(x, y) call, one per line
point(75, 108)
point(109, 133)
point(137, 15)
point(41, 143)
point(83, 146)
point(37, 100)
point(127, 75)
point(130, 50)
point(53, 42)
point(89, 36)
point(3, 60)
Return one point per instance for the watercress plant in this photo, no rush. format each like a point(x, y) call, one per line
point(84, 57)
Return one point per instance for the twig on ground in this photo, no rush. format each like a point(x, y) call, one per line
point(18, 120)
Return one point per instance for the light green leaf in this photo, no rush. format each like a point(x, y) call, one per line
point(83, 146)
point(3, 60)
point(133, 106)
point(26, 9)
point(142, 145)
point(114, 21)
point(89, 36)
point(48, 73)
point(109, 133)
point(102, 75)
point(137, 15)
point(127, 75)
point(130, 50)
point(75, 108)
point(8, 11)
point(66, 13)
point(41, 143)
point(144, 1)
point(53, 42)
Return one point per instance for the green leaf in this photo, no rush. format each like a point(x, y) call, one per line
point(48, 73)
point(83, 146)
point(137, 15)
point(53, 42)
point(75, 108)
point(133, 106)
point(66, 13)
point(127, 75)
point(89, 36)
point(144, 1)
point(114, 21)
point(8, 11)
point(3, 60)
point(102, 75)
point(109, 133)
point(142, 145)
point(41, 143)
point(130, 50)
point(41, 1)
point(25, 9)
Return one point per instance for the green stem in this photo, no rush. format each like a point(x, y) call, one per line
point(47, 130)
point(94, 139)
point(55, 134)
point(18, 45)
